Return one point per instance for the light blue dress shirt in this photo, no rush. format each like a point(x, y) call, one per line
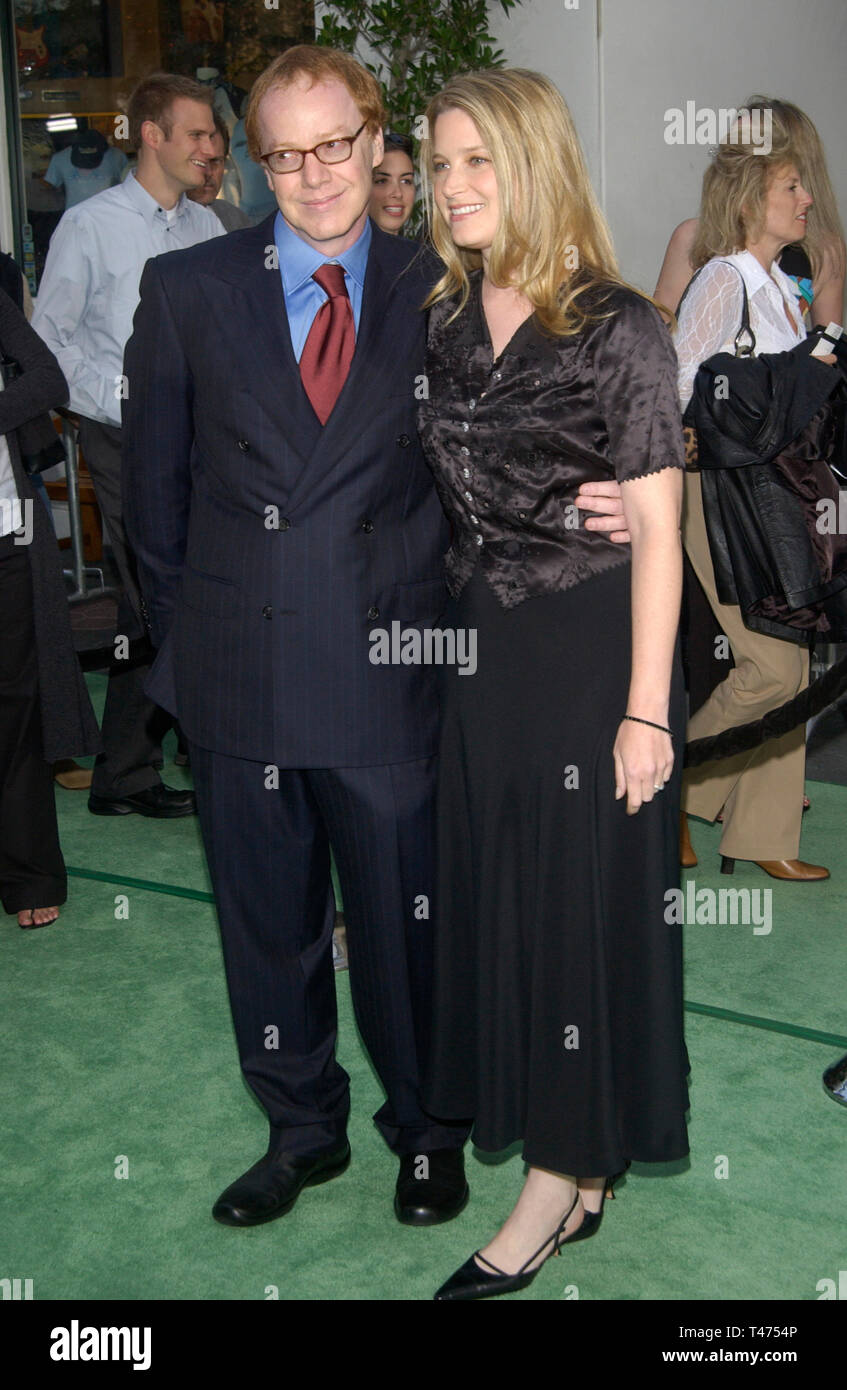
point(89, 289)
point(303, 297)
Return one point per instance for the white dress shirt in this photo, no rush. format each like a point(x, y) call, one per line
point(89, 289)
point(710, 316)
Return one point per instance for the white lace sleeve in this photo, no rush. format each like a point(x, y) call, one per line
point(709, 318)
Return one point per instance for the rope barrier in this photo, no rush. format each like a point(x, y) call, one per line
point(743, 737)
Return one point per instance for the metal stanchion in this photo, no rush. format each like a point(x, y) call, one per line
point(80, 572)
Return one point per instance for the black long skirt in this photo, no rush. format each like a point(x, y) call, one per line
point(558, 981)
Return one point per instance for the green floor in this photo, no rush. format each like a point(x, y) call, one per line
point(119, 1056)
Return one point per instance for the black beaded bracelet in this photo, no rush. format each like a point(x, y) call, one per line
point(636, 720)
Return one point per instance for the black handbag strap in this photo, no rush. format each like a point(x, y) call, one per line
point(741, 350)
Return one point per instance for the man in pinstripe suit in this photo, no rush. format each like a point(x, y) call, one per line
point(269, 545)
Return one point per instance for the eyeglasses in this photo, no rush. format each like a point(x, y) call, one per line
point(328, 152)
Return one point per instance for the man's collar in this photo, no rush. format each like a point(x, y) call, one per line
point(144, 202)
point(299, 261)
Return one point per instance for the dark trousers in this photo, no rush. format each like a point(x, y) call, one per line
point(268, 853)
point(133, 726)
point(32, 871)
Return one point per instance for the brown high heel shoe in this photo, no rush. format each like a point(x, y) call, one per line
point(789, 870)
point(687, 857)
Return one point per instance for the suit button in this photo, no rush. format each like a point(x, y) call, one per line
point(243, 446)
point(285, 524)
point(367, 527)
point(403, 440)
point(373, 613)
point(267, 611)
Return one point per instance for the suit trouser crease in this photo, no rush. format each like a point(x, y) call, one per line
point(761, 791)
point(269, 858)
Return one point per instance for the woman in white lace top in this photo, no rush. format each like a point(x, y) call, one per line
point(819, 260)
point(753, 205)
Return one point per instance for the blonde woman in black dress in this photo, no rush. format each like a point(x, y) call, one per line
point(558, 987)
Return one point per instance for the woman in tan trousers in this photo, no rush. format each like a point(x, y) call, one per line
point(754, 204)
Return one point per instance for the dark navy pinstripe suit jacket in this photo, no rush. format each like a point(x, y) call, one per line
point(270, 547)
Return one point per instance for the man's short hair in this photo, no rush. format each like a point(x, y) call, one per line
point(153, 98)
point(222, 128)
point(321, 65)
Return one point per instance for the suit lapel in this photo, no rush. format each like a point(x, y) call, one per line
point(254, 300)
point(252, 295)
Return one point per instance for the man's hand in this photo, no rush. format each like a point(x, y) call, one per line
point(605, 499)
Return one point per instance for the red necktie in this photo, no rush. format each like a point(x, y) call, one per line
point(329, 348)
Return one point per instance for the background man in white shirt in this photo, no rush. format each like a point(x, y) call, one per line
point(84, 313)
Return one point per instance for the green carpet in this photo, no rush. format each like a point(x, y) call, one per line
point(120, 1057)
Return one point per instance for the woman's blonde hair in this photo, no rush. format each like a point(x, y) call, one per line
point(552, 242)
point(736, 182)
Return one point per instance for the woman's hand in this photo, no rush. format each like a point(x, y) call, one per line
point(643, 763)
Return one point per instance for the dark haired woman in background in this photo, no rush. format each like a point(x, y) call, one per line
point(393, 194)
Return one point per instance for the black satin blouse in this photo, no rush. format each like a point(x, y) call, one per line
point(510, 442)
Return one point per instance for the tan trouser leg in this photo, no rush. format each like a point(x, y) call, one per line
point(761, 791)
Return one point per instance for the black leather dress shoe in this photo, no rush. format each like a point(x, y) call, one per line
point(431, 1187)
point(166, 803)
point(271, 1187)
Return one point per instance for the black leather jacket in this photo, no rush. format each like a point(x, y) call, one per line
point(766, 438)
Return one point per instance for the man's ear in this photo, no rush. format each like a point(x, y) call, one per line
point(269, 176)
point(151, 134)
point(379, 148)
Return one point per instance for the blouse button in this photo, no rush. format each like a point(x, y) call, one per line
point(522, 516)
point(469, 496)
point(497, 376)
point(474, 521)
point(536, 383)
point(471, 403)
point(464, 449)
point(478, 539)
point(508, 467)
point(466, 472)
point(465, 425)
